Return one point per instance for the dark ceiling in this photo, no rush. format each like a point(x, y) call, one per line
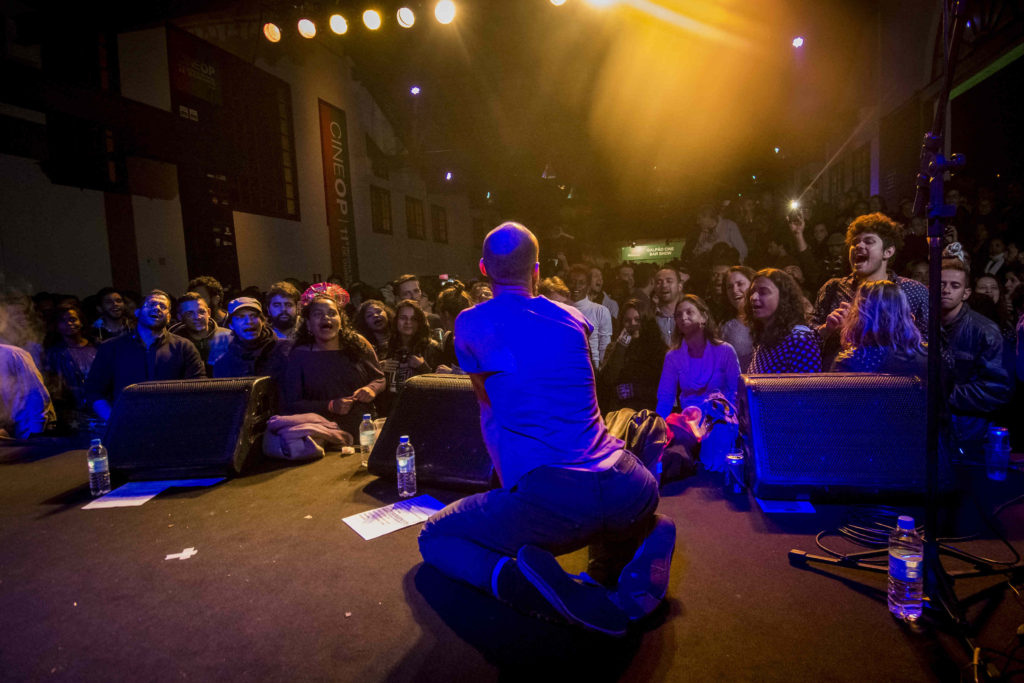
point(636, 114)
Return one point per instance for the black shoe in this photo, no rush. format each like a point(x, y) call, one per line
point(587, 605)
point(644, 580)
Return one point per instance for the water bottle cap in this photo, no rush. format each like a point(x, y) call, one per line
point(97, 442)
point(403, 439)
point(905, 522)
point(366, 416)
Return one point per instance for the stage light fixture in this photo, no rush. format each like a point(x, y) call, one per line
point(338, 24)
point(307, 29)
point(776, 150)
point(798, 42)
point(448, 176)
point(406, 17)
point(601, 3)
point(414, 90)
point(371, 19)
point(444, 11)
point(557, 3)
point(794, 205)
point(272, 32)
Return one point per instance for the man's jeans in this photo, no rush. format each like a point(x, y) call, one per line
point(554, 508)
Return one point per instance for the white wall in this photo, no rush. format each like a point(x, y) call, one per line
point(52, 238)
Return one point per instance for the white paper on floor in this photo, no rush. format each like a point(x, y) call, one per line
point(374, 523)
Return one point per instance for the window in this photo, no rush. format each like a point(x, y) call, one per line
point(415, 225)
point(439, 223)
point(380, 209)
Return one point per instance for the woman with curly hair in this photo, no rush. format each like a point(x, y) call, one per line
point(632, 362)
point(699, 363)
point(734, 292)
point(776, 312)
point(411, 351)
point(879, 335)
point(331, 370)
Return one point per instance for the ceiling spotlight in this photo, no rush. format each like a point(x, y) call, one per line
point(444, 11)
point(406, 17)
point(372, 20)
point(776, 150)
point(557, 3)
point(338, 24)
point(448, 175)
point(414, 90)
point(794, 204)
point(272, 32)
point(307, 29)
point(798, 42)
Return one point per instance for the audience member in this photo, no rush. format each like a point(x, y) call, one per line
point(714, 229)
point(480, 291)
point(374, 320)
point(776, 312)
point(632, 363)
point(148, 352)
point(735, 331)
point(450, 303)
point(597, 294)
point(668, 290)
point(408, 287)
point(598, 315)
point(872, 240)
point(67, 363)
point(411, 351)
point(331, 370)
point(977, 383)
point(282, 307)
point(196, 324)
point(25, 407)
point(254, 351)
point(212, 293)
point(879, 334)
point(700, 363)
point(113, 320)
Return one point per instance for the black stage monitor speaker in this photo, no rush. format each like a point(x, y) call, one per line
point(839, 435)
point(440, 415)
point(189, 427)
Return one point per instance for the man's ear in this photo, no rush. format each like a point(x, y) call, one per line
point(483, 268)
point(888, 253)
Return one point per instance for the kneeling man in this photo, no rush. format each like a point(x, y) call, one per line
point(566, 483)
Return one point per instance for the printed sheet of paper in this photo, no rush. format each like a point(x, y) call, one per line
point(135, 493)
point(374, 523)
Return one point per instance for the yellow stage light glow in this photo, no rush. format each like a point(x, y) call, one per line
point(338, 24)
point(307, 29)
point(557, 3)
point(406, 17)
point(371, 19)
point(444, 11)
point(272, 32)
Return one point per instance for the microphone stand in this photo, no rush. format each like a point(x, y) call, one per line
point(930, 200)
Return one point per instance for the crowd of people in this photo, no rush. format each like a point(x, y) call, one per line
point(758, 289)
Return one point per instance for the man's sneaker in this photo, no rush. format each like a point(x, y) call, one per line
point(644, 580)
point(587, 605)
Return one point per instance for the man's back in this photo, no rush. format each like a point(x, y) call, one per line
point(539, 380)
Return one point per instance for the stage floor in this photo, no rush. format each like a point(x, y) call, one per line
point(281, 589)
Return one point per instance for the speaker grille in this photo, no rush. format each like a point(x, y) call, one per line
point(847, 430)
point(190, 425)
point(441, 416)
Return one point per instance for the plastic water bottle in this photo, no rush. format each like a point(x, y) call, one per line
point(99, 469)
point(906, 570)
point(367, 435)
point(406, 458)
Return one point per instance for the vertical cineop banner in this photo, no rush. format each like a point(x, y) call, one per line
point(338, 191)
